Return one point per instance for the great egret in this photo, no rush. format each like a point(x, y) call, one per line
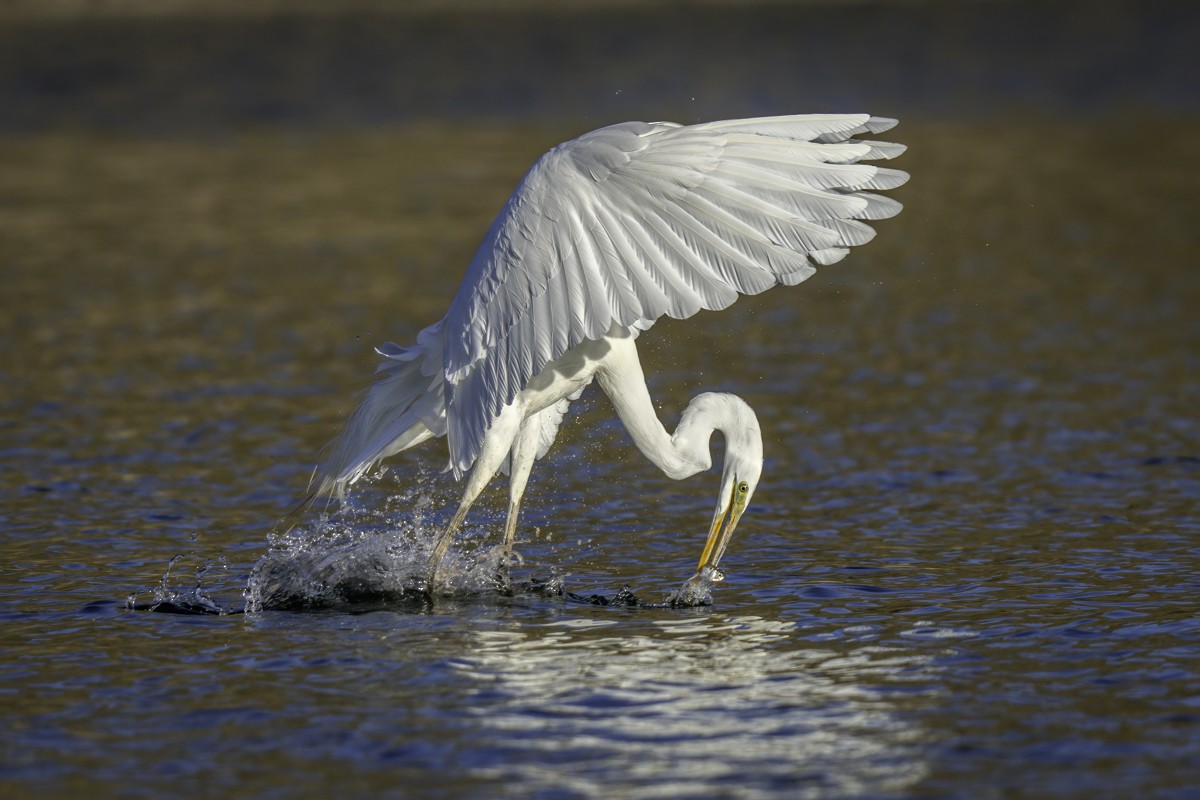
point(605, 234)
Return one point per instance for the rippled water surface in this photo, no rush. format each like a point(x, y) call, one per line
point(971, 568)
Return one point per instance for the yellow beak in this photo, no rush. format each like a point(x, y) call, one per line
point(721, 532)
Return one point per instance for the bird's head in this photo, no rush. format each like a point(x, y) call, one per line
point(739, 478)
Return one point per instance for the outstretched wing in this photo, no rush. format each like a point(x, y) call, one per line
point(637, 220)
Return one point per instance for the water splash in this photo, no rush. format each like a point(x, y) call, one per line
point(697, 590)
point(372, 553)
point(193, 600)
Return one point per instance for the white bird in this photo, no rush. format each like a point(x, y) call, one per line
point(604, 235)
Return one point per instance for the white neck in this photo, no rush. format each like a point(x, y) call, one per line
point(686, 452)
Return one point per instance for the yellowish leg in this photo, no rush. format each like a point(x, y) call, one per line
point(443, 544)
point(524, 451)
point(495, 446)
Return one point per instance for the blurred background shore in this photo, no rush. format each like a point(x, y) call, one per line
point(197, 69)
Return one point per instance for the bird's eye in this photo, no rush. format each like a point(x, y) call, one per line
point(743, 487)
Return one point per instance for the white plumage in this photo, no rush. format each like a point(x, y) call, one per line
point(603, 235)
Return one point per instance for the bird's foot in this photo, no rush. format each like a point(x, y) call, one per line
point(433, 585)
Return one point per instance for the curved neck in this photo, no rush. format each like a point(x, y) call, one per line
point(684, 453)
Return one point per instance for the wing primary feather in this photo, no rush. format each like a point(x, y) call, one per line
point(879, 206)
point(812, 202)
point(735, 200)
point(802, 127)
point(737, 266)
point(780, 229)
point(828, 256)
point(851, 231)
point(723, 197)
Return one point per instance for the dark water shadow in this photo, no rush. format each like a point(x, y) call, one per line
point(359, 594)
